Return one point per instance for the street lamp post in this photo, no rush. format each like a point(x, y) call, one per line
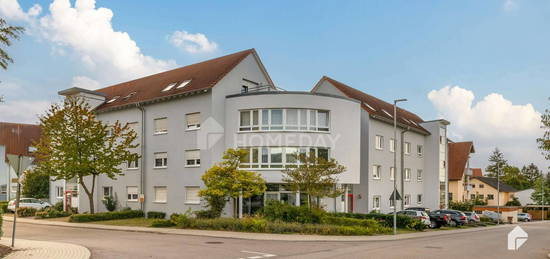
point(498, 193)
point(395, 163)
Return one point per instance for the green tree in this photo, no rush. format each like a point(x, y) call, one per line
point(541, 192)
point(544, 141)
point(7, 34)
point(531, 174)
point(314, 176)
point(225, 180)
point(496, 161)
point(36, 185)
point(75, 144)
point(514, 202)
point(512, 176)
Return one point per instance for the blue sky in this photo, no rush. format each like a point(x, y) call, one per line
point(390, 49)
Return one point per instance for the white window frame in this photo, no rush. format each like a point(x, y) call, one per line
point(419, 199)
point(265, 120)
point(376, 199)
point(132, 164)
point(132, 196)
point(110, 190)
point(407, 200)
point(407, 174)
point(259, 164)
point(407, 148)
point(376, 172)
point(187, 200)
point(57, 188)
point(392, 145)
point(193, 125)
point(164, 160)
point(390, 202)
point(158, 131)
point(392, 173)
point(379, 142)
point(157, 200)
point(419, 175)
point(420, 150)
point(192, 161)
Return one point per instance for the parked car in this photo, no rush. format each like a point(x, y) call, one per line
point(29, 203)
point(491, 214)
point(420, 209)
point(458, 218)
point(524, 217)
point(439, 219)
point(421, 215)
point(472, 217)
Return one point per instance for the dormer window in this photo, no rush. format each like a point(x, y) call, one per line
point(183, 84)
point(113, 99)
point(170, 86)
point(129, 95)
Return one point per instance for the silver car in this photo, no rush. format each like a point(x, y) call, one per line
point(29, 203)
point(472, 217)
point(524, 217)
point(421, 215)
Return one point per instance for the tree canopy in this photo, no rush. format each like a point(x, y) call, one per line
point(544, 140)
point(36, 185)
point(496, 161)
point(75, 144)
point(7, 34)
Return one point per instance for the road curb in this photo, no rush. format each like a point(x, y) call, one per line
point(259, 236)
point(32, 249)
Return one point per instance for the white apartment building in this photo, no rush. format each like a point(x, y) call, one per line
point(187, 117)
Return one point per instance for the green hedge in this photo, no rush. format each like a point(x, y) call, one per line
point(156, 215)
point(52, 213)
point(106, 216)
point(261, 225)
point(279, 211)
point(162, 223)
point(3, 206)
point(26, 212)
point(385, 220)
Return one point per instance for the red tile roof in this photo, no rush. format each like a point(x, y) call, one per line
point(203, 75)
point(376, 107)
point(17, 138)
point(476, 172)
point(459, 153)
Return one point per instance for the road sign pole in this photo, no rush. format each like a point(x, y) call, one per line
point(17, 198)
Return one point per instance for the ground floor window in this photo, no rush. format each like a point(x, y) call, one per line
point(59, 192)
point(192, 195)
point(376, 202)
point(419, 199)
point(490, 197)
point(160, 194)
point(107, 192)
point(407, 199)
point(132, 193)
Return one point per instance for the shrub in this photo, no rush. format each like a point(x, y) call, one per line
point(162, 223)
point(106, 216)
point(26, 212)
point(341, 221)
point(3, 206)
point(110, 203)
point(58, 206)
point(514, 202)
point(385, 220)
point(279, 211)
point(52, 213)
point(1, 223)
point(156, 215)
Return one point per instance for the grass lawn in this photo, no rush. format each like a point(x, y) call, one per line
point(133, 222)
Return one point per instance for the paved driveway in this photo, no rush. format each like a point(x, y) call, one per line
point(121, 244)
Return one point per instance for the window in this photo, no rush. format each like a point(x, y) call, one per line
point(107, 192)
point(472, 196)
point(387, 113)
point(3, 188)
point(392, 173)
point(392, 204)
point(473, 186)
point(59, 192)
point(450, 196)
point(193, 157)
point(481, 196)
point(113, 99)
point(133, 163)
point(419, 175)
point(481, 185)
point(407, 199)
point(193, 120)
point(379, 142)
point(183, 84)
point(440, 139)
point(407, 174)
point(407, 148)
point(419, 198)
point(192, 195)
point(392, 145)
point(161, 160)
point(376, 171)
point(169, 86)
point(160, 194)
point(134, 126)
point(490, 196)
point(419, 150)
point(132, 193)
point(279, 157)
point(161, 126)
point(284, 119)
point(376, 202)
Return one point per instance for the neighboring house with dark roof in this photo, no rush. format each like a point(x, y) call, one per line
point(485, 188)
point(15, 139)
point(187, 117)
point(460, 172)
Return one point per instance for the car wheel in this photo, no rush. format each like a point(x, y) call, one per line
point(453, 223)
point(433, 224)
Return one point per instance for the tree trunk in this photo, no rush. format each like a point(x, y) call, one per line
point(90, 193)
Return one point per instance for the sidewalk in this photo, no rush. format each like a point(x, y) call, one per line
point(262, 236)
point(29, 249)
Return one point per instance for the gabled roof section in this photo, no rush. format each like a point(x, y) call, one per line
point(493, 183)
point(18, 137)
point(192, 78)
point(476, 172)
point(459, 153)
point(376, 107)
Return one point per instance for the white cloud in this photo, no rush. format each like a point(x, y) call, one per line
point(491, 122)
point(192, 43)
point(22, 111)
point(86, 83)
point(11, 10)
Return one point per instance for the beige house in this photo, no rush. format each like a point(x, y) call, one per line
point(460, 172)
point(485, 188)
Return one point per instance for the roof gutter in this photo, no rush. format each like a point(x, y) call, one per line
point(401, 125)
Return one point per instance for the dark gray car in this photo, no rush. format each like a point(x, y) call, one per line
point(458, 218)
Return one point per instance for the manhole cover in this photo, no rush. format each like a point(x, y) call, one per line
point(433, 247)
point(214, 242)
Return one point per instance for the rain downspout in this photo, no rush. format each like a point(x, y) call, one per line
point(142, 167)
point(403, 167)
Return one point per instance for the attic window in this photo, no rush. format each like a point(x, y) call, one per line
point(387, 113)
point(130, 95)
point(183, 84)
point(170, 86)
point(114, 99)
point(370, 107)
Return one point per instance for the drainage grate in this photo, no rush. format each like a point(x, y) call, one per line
point(214, 242)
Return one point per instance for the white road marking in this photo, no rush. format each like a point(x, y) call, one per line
point(259, 255)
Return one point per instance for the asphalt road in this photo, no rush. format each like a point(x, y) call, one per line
point(490, 243)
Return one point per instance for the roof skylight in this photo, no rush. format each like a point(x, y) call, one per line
point(370, 107)
point(183, 84)
point(387, 113)
point(170, 86)
point(113, 99)
point(130, 95)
